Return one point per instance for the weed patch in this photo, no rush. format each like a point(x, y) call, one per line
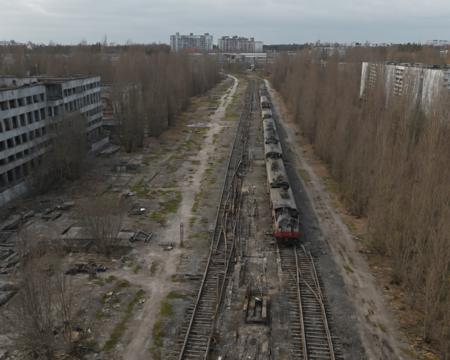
point(121, 327)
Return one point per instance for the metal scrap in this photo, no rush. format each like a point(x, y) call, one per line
point(7, 291)
point(8, 253)
point(141, 236)
point(86, 268)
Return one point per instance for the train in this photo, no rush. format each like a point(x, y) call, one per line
point(285, 215)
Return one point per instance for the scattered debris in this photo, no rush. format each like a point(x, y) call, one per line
point(124, 166)
point(187, 277)
point(199, 126)
point(28, 215)
point(8, 253)
point(86, 268)
point(66, 205)
point(12, 223)
point(110, 150)
point(141, 236)
point(255, 308)
point(79, 235)
point(51, 214)
point(7, 291)
point(168, 247)
point(139, 210)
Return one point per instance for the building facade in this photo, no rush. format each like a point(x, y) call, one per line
point(27, 108)
point(237, 44)
point(191, 42)
point(424, 83)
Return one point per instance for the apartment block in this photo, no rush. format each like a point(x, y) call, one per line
point(27, 108)
point(424, 82)
point(237, 44)
point(191, 42)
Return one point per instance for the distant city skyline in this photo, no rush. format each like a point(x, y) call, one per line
point(271, 21)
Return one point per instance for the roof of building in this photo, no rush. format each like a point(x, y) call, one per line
point(61, 79)
point(10, 82)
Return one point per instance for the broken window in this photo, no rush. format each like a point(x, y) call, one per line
point(7, 124)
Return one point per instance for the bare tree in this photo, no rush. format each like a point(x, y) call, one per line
point(130, 117)
point(64, 152)
point(41, 314)
point(389, 158)
point(103, 218)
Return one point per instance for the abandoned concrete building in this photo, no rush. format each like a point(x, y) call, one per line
point(191, 42)
point(426, 83)
point(27, 105)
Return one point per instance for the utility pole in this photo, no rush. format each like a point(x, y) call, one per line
point(181, 234)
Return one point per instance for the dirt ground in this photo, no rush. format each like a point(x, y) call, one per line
point(373, 320)
point(128, 311)
point(140, 337)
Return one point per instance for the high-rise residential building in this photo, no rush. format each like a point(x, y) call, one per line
point(237, 44)
point(424, 83)
point(27, 108)
point(191, 42)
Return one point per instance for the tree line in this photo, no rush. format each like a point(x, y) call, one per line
point(390, 160)
point(150, 85)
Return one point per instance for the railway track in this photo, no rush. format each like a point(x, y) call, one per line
point(309, 325)
point(199, 331)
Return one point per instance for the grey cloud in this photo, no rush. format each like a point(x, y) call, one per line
point(272, 21)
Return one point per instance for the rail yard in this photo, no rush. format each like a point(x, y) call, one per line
point(224, 180)
point(232, 261)
point(261, 295)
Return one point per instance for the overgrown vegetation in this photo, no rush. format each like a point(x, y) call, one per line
point(42, 316)
point(390, 162)
point(169, 202)
point(64, 156)
point(158, 333)
point(103, 218)
point(120, 328)
point(149, 85)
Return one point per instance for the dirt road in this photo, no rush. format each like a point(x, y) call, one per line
point(160, 284)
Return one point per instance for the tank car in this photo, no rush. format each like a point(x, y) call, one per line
point(269, 124)
point(273, 151)
point(266, 114)
point(276, 173)
point(263, 89)
point(271, 137)
point(265, 104)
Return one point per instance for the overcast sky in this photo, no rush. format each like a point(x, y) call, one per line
point(272, 21)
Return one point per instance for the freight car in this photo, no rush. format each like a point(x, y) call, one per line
point(276, 173)
point(265, 104)
point(266, 114)
point(273, 151)
point(285, 215)
point(270, 132)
